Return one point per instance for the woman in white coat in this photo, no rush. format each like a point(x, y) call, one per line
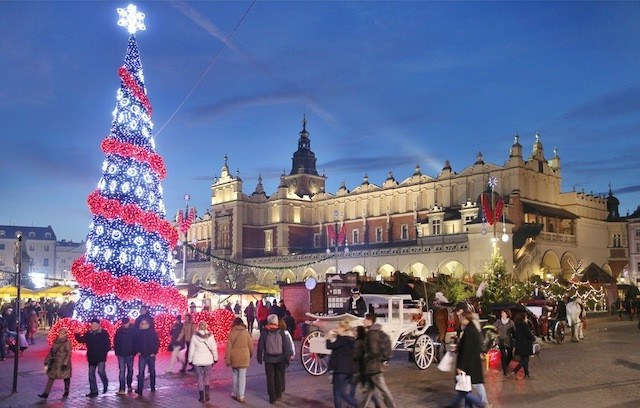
point(203, 354)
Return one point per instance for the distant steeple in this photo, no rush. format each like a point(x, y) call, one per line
point(259, 188)
point(516, 148)
point(304, 160)
point(479, 158)
point(613, 205)
point(538, 150)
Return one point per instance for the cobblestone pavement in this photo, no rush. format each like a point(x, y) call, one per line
point(602, 371)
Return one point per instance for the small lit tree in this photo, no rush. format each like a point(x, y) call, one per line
point(501, 286)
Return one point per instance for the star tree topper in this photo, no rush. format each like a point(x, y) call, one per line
point(131, 19)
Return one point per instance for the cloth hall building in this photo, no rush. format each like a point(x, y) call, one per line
point(422, 225)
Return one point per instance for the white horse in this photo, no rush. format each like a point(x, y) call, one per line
point(575, 310)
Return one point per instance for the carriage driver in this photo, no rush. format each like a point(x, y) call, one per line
point(356, 304)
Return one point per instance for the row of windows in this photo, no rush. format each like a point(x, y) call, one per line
point(45, 262)
point(33, 247)
point(31, 234)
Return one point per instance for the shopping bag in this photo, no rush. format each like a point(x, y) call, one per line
point(448, 362)
point(463, 382)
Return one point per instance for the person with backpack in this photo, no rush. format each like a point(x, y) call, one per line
point(341, 363)
point(275, 350)
point(377, 352)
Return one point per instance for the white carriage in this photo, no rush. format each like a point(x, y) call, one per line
point(400, 317)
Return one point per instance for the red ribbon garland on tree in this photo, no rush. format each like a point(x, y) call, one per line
point(132, 84)
point(126, 287)
point(132, 214)
point(124, 149)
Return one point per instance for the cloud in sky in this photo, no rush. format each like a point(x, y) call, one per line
point(619, 102)
point(195, 16)
point(235, 104)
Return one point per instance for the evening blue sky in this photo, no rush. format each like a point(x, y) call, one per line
point(385, 86)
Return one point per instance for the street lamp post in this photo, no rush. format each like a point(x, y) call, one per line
point(17, 257)
point(495, 215)
point(336, 216)
point(187, 197)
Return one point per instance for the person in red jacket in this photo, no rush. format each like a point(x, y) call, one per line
point(262, 314)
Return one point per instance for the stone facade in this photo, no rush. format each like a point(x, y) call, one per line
point(421, 225)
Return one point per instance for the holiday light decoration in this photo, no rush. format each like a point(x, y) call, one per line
point(225, 262)
point(593, 298)
point(128, 261)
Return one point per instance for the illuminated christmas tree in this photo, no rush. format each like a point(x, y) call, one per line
point(128, 261)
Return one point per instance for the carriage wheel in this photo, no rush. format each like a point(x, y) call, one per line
point(423, 351)
point(315, 364)
point(559, 332)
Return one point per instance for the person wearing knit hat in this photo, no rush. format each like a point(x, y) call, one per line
point(276, 351)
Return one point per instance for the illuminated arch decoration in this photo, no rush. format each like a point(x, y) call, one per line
point(268, 279)
point(288, 274)
point(386, 271)
point(550, 264)
point(418, 270)
point(453, 268)
point(309, 273)
point(359, 269)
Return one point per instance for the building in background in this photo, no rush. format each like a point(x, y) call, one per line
point(633, 231)
point(40, 245)
point(422, 225)
point(66, 253)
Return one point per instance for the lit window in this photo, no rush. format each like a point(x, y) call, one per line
point(268, 241)
point(617, 240)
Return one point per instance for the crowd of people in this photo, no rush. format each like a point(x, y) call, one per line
point(33, 316)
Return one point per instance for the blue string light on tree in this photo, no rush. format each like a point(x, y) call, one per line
point(128, 260)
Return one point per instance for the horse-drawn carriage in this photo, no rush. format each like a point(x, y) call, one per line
point(403, 319)
point(539, 318)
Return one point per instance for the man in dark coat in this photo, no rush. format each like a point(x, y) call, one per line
point(275, 361)
point(147, 345)
point(356, 304)
point(373, 362)
point(277, 310)
point(11, 320)
point(144, 315)
point(468, 361)
point(98, 345)
point(125, 349)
